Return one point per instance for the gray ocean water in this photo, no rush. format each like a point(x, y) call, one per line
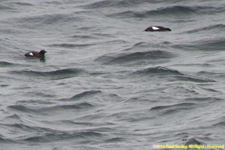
point(107, 84)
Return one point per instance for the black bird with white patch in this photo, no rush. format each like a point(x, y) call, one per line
point(157, 28)
point(40, 55)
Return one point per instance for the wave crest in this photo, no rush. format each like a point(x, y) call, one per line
point(150, 56)
point(54, 75)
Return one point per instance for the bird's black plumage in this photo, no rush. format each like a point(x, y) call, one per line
point(157, 28)
point(40, 55)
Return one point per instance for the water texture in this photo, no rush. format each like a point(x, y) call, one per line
point(105, 82)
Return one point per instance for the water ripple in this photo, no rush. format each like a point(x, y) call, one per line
point(54, 75)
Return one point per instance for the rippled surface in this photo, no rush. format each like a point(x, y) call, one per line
point(107, 84)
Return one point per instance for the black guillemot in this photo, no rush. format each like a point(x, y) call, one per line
point(40, 55)
point(157, 28)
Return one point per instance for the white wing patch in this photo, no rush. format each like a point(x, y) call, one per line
point(155, 28)
point(31, 54)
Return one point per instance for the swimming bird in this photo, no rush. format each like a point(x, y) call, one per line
point(40, 55)
point(157, 28)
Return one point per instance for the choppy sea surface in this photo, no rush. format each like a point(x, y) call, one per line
point(105, 82)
